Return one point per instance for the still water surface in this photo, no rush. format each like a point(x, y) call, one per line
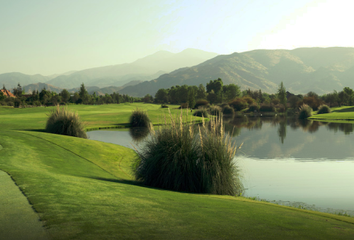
point(294, 163)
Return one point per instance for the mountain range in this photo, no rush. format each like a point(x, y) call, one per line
point(321, 70)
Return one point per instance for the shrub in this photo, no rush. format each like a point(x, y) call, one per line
point(189, 159)
point(305, 111)
point(267, 108)
point(238, 104)
point(201, 103)
point(201, 113)
point(227, 110)
point(139, 118)
point(253, 107)
point(62, 121)
point(215, 110)
point(164, 106)
point(323, 109)
point(183, 105)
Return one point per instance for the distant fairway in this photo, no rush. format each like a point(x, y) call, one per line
point(83, 189)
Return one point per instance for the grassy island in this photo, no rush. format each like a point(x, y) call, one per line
point(84, 189)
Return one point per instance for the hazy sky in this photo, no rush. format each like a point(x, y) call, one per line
point(48, 37)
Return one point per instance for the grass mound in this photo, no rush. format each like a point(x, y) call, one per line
point(305, 111)
point(189, 159)
point(323, 109)
point(139, 118)
point(62, 121)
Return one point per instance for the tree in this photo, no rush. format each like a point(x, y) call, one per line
point(65, 95)
point(2, 96)
point(231, 91)
point(83, 94)
point(161, 96)
point(17, 91)
point(191, 97)
point(282, 94)
point(215, 85)
point(201, 93)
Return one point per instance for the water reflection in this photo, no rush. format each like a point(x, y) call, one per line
point(139, 133)
point(266, 138)
point(284, 159)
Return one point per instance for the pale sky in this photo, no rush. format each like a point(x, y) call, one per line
point(51, 37)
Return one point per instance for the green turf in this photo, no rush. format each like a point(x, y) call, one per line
point(83, 189)
point(339, 114)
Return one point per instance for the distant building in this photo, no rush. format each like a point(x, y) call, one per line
point(7, 93)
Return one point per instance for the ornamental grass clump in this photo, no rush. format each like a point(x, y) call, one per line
point(305, 111)
point(139, 118)
point(62, 121)
point(201, 113)
point(215, 110)
point(323, 109)
point(189, 158)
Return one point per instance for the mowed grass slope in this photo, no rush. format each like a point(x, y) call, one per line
point(83, 189)
point(338, 114)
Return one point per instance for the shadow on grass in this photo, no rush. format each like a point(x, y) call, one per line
point(129, 182)
point(351, 109)
point(33, 130)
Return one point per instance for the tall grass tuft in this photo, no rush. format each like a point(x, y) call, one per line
point(305, 111)
point(188, 158)
point(139, 118)
point(323, 109)
point(215, 110)
point(62, 121)
point(201, 113)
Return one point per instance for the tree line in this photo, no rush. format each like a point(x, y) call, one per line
point(49, 98)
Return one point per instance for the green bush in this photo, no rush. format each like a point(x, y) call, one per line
point(201, 113)
point(139, 118)
point(201, 103)
point(305, 111)
point(65, 122)
point(239, 104)
point(183, 105)
point(323, 109)
point(253, 107)
point(189, 159)
point(267, 108)
point(227, 110)
point(215, 110)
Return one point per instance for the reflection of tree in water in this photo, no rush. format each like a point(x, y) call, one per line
point(139, 133)
point(314, 127)
point(245, 122)
point(282, 131)
point(347, 128)
point(304, 124)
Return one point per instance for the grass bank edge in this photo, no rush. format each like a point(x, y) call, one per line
point(126, 174)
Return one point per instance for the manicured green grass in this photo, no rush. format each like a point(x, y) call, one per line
point(83, 189)
point(339, 114)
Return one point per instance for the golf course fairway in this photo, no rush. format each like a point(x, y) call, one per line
point(84, 189)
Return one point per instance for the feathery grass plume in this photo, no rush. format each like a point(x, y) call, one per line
point(215, 110)
point(323, 109)
point(305, 111)
point(189, 159)
point(139, 118)
point(62, 121)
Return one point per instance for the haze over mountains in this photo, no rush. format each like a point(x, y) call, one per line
point(321, 70)
point(146, 68)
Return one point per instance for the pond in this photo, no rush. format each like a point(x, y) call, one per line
point(303, 164)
